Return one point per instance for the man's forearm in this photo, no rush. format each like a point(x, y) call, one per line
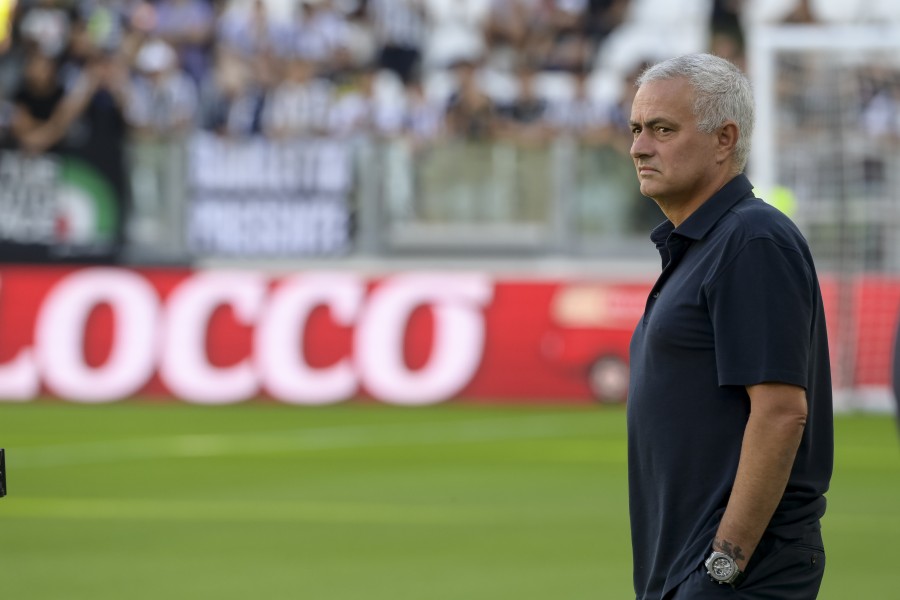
point(771, 438)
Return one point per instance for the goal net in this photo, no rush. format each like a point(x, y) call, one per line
point(827, 151)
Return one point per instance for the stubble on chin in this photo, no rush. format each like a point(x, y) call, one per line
point(646, 187)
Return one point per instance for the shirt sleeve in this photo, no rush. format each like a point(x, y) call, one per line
point(761, 307)
point(137, 111)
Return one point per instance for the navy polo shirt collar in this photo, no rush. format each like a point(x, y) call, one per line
point(698, 224)
point(708, 214)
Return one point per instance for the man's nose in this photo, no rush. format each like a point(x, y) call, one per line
point(640, 146)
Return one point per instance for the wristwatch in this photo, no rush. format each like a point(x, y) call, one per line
point(723, 569)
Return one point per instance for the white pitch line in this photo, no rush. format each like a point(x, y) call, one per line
point(232, 511)
point(296, 440)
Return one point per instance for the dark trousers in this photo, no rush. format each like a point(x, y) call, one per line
point(401, 60)
point(779, 570)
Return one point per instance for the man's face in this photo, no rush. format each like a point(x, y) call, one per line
point(675, 162)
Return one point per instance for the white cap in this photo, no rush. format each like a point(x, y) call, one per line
point(155, 56)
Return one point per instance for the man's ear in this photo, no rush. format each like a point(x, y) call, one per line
point(726, 139)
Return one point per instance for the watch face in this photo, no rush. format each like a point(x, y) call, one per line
point(722, 568)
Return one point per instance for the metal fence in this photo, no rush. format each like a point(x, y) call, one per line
point(453, 198)
point(561, 198)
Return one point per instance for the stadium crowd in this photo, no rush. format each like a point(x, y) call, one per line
point(299, 67)
point(121, 81)
point(279, 68)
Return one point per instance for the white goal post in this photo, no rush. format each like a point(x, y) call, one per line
point(826, 149)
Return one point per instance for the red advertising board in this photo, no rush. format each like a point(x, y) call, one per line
point(101, 334)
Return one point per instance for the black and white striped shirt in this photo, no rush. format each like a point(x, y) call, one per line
point(399, 22)
point(298, 108)
point(161, 106)
point(580, 114)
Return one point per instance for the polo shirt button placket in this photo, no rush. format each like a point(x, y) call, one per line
point(651, 301)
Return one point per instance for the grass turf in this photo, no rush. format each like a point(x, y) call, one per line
point(364, 502)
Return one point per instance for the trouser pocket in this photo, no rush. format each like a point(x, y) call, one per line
point(791, 570)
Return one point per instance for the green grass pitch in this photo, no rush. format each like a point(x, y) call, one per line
point(454, 502)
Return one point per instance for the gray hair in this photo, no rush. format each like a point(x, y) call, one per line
point(722, 93)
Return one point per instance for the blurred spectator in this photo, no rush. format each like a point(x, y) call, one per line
point(506, 31)
point(471, 113)
point(603, 192)
point(235, 100)
point(879, 117)
point(99, 30)
point(725, 15)
point(400, 29)
point(105, 85)
point(730, 46)
point(86, 122)
point(351, 112)
point(188, 27)
point(565, 15)
point(525, 166)
point(460, 177)
point(299, 104)
point(105, 23)
point(558, 39)
point(726, 32)
point(582, 116)
point(523, 121)
point(423, 118)
point(45, 24)
point(603, 16)
point(405, 161)
point(139, 26)
point(457, 32)
point(163, 98)
point(540, 31)
point(77, 54)
point(100, 132)
point(321, 34)
point(247, 113)
point(162, 110)
point(38, 118)
point(359, 110)
point(245, 31)
point(552, 34)
point(568, 52)
point(879, 108)
point(222, 92)
point(802, 14)
point(802, 104)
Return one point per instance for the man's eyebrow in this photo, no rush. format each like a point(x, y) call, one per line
point(651, 123)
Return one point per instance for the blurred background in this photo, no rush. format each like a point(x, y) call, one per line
point(260, 205)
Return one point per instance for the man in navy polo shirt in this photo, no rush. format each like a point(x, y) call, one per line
point(730, 437)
